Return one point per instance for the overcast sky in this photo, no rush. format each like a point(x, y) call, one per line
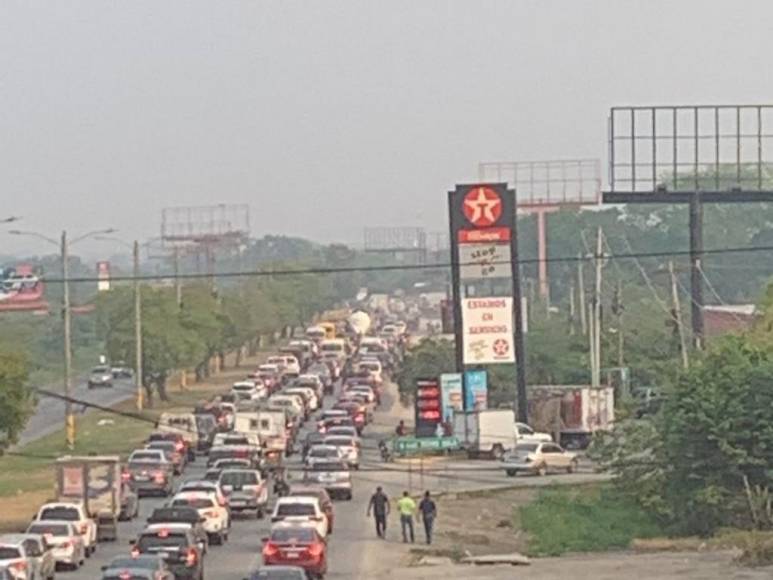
point(325, 116)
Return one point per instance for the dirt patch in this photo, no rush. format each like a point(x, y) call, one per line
point(479, 524)
point(18, 512)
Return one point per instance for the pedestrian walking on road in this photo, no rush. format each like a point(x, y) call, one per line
point(407, 508)
point(428, 511)
point(379, 505)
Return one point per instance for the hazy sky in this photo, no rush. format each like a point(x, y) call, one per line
point(325, 116)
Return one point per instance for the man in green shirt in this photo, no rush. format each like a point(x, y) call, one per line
point(407, 508)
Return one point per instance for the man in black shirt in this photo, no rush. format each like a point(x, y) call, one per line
point(379, 505)
point(428, 511)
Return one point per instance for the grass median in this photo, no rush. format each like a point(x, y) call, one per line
point(27, 479)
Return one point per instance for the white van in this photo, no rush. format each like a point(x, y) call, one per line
point(183, 423)
point(335, 346)
point(269, 425)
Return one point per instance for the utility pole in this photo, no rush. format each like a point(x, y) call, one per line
point(572, 309)
point(69, 417)
point(177, 286)
point(596, 375)
point(696, 278)
point(581, 296)
point(137, 327)
point(678, 317)
point(619, 313)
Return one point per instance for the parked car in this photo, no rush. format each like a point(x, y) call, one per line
point(143, 566)
point(121, 370)
point(65, 540)
point(300, 546)
point(76, 514)
point(539, 458)
point(177, 544)
point(101, 376)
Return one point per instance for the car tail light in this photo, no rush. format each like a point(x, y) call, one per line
point(159, 476)
point(190, 557)
point(126, 476)
point(316, 550)
point(125, 575)
point(222, 501)
point(270, 550)
point(179, 446)
point(20, 566)
point(135, 552)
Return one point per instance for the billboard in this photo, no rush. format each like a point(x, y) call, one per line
point(487, 330)
point(476, 390)
point(451, 394)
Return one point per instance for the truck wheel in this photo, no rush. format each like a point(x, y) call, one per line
point(510, 472)
point(497, 451)
point(542, 470)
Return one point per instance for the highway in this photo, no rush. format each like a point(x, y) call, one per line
point(49, 414)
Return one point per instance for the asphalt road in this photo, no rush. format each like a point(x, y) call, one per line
point(49, 414)
point(354, 552)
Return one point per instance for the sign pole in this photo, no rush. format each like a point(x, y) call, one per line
point(518, 338)
point(456, 291)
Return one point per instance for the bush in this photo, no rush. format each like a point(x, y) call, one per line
point(585, 520)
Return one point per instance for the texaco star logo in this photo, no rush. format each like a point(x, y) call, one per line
point(501, 347)
point(482, 206)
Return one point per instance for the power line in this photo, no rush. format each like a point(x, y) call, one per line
point(405, 267)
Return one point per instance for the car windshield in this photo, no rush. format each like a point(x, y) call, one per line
point(239, 478)
point(527, 447)
point(212, 475)
point(339, 441)
point(323, 452)
point(138, 465)
point(145, 456)
point(295, 509)
point(179, 514)
point(60, 513)
point(100, 370)
point(282, 535)
point(9, 553)
point(49, 529)
point(194, 502)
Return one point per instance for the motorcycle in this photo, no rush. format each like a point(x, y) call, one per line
point(281, 487)
point(386, 453)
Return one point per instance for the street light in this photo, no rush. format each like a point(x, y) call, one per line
point(64, 245)
point(137, 314)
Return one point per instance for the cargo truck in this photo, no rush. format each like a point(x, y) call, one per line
point(95, 483)
point(488, 432)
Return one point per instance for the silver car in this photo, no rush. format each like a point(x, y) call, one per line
point(539, 458)
point(334, 476)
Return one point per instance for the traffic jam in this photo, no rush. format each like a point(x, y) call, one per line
point(280, 446)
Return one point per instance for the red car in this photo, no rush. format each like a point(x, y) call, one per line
point(292, 545)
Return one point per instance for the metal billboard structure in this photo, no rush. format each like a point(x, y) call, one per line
point(204, 231)
point(543, 187)
point(691, 154)
point(396, 241)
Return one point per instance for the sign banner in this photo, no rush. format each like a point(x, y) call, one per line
point(476, 385)
point(487, 330)
point(451, 392)
point(484, 261)
point(103, 276)
point(427, 407)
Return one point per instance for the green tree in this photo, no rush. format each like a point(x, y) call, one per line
point(16, 401)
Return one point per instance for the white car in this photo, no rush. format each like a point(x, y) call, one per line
point(251, 439)
point(64, 539)
point(285, 363)
point(525, 433)
point(301, 510)
point(14, 557)
point(539, 458)
point(350, 451)
point(205, 486)
point(215, 515)
point(305, 392)
point(292, 402)
point(363, 390)
point(323, 452)
point(252, 390)
point(76, 514)
point(374, 367)
point(345, 431)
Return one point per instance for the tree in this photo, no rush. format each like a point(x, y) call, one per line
point(16, 401)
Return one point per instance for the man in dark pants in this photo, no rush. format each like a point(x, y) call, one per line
point(428, 511)
point(379, 505)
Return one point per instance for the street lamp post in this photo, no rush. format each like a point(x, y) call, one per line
point(64, 247)
point(138, 364)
